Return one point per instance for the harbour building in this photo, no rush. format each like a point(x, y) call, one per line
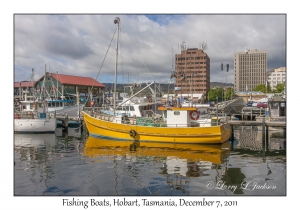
point(276, 76)
point(250, 69)
point(21, 87)
point(192, 71)
point(57, 86)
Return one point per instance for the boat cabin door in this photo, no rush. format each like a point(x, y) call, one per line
point(282, 109)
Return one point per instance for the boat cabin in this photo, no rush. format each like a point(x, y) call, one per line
point(277, 108)
point(54, 104)
point(180, 116)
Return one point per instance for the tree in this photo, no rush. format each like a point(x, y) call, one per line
point(229, 93)
point(279, 88)
point(260, 87)
point(215, 94)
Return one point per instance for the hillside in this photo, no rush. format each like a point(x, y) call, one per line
point(163, 86)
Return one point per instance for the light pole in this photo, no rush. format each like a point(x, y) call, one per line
point(227, 69)
point(247, 51)
point(222, 80)
point(208, 97)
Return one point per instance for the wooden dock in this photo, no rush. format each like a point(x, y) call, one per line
point(265, 127)
point(257, 123)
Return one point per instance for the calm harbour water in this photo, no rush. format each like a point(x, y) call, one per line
point(72, 164)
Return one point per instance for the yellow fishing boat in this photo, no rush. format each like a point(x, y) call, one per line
point(178, 128)
point(96, 147)
point(175, 124)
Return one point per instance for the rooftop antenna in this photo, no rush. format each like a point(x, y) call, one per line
point(172, 59)
point(204, 45)
point(183, 46)
point(282, 55)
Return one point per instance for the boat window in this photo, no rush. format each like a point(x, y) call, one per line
point(282, 104)
point(131, 108)
point(176, 113)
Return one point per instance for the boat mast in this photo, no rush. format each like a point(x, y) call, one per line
point(116, 21)
point(43, 86)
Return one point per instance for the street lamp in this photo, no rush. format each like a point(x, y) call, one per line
point(247, 51)
point(227, 69)
point(222, 80)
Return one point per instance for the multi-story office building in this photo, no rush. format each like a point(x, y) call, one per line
point(193, 71)
point(250, 68)
point(276, 76)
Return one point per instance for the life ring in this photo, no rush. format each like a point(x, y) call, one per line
point(132, 133)
point(92, 103)
point(194, 115)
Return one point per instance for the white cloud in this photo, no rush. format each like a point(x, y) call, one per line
point(77, 44)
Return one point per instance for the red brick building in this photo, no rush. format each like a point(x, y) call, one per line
point(193, 71)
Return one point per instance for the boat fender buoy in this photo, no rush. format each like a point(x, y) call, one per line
point(132, 133)
point(92, 103)
point(132, 147)
point(194, 115)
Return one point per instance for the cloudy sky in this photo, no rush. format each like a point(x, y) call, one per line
point(84, 45)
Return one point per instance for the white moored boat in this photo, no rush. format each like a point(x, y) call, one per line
point(33, 118)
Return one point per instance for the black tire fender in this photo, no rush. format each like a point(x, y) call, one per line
point(132, 133)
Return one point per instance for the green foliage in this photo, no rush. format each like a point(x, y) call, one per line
point(216, 94)
point(229, 93)
point(260, 87)
point(279, 88)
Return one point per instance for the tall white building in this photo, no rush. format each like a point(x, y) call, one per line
point(250, 69)
point(276, 76)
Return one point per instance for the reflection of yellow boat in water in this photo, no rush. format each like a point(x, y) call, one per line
point(143, 161)
point(96, 147)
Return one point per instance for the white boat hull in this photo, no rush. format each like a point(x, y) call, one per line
point(35, 125)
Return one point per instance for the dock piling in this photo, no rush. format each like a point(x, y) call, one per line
point(65, 123)
point(267, 137)
point(232, 133)
point(263, 132)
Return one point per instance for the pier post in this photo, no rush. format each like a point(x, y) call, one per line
point(81, 125)
point(243, 114)
point(267, 137)
point(65, 123)
point(251, 114)
point(259, 112)
point(263, 132)
point(232, 133)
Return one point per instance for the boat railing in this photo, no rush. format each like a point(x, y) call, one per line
point(155, 120)
point(25, 115)
point(151, 113)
